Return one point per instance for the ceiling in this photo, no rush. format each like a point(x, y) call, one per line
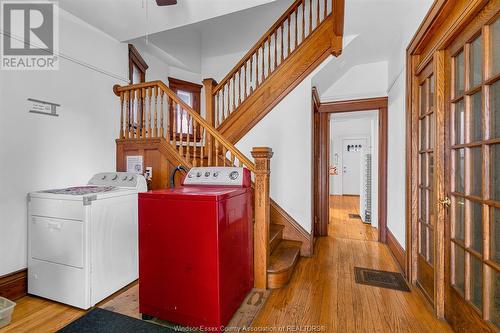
point(374, 31)
point(129, 19)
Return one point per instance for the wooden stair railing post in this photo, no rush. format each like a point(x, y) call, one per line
point(262, 156)
point(209, 85)
point(338, 26)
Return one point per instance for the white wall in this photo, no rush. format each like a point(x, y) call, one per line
point(287, 130)
point(361, 81)
point(396, 167)
point(225, 40)
point(160, 65)
point(40, 152)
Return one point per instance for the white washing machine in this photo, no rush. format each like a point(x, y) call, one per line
point(83, 241)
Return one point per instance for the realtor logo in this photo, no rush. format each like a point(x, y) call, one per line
point(30, 35)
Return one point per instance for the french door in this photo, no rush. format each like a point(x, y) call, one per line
point(426, 197)
point(472, 175)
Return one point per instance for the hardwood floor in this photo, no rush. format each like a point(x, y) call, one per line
point(321, 293)
point(341, 226)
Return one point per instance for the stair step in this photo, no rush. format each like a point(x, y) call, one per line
point(282, 263)
point(275, 235)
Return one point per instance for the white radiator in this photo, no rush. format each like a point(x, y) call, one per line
point(365, 198)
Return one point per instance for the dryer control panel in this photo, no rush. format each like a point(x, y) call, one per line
point(218, 176)
point(120, 179)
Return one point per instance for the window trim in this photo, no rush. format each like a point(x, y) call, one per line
point(195, 89)
point(135, 59)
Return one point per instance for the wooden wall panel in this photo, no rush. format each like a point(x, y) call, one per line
point(14, 285)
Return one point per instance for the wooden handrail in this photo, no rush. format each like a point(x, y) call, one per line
point(151, 90)
point(281, 40)
point(259, 43)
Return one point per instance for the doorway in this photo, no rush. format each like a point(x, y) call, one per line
point(349, 197)
point(353, 157)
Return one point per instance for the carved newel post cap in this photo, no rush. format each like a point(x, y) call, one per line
point(262, 152)
point(209, 81)
point(115, 89)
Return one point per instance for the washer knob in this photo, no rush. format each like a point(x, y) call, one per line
point(125, 178)
point(131, 179)
point(104, 177)
point(207, 174)
point(216, 174)
point(233, 175)
point(115, 177)
point(198, 174)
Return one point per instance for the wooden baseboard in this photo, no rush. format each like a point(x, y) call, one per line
point(14, 285)
point(397, 250)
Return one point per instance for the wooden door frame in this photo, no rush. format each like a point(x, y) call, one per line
point(445, 20)
point(322, 164)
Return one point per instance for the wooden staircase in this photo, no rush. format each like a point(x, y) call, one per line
point(284, 257)
point(307, 33)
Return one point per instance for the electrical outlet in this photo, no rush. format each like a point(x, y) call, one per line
point(149, 173)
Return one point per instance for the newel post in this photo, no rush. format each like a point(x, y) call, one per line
point(209, 86)
point(338, 27)
point(262, 156)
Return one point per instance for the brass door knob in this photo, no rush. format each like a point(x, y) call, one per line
point(446, 202)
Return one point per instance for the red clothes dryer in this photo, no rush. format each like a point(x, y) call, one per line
point(196, 248)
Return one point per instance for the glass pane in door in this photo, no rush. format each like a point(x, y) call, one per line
point(476, 282)
point(459, 123)
point(476, 169)
point(459, 74)
point(459, 170)
point(495, 298)
point(495, 109)
point(459, 219)
point(495, 47)
point(459, 272)
point(476, 226)
point(476, 118)
point(476, 62)
point(495, 235)
point(495, 172)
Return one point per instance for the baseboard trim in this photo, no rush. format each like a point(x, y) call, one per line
point(14, 285)
point(397, 251)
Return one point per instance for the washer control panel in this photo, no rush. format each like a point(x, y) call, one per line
point(218, 176)
point(119, 179)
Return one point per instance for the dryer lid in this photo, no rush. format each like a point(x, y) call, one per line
point(193, 193)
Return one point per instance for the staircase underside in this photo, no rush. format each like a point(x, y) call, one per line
point(314, 50)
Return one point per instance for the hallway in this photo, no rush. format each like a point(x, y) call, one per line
point(323, 291)
point(342, 226)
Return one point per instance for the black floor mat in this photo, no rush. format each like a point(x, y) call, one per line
point(383, 279)
point(104, 321)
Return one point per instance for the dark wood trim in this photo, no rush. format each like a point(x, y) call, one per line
point(14, 285)
point(320, 181)
point(137, 58)
point(397, 251)
point(325, 109)
point(382, 173)
point(316, 99)
point(184, 85)
point(354, 105)
point(193, 88)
